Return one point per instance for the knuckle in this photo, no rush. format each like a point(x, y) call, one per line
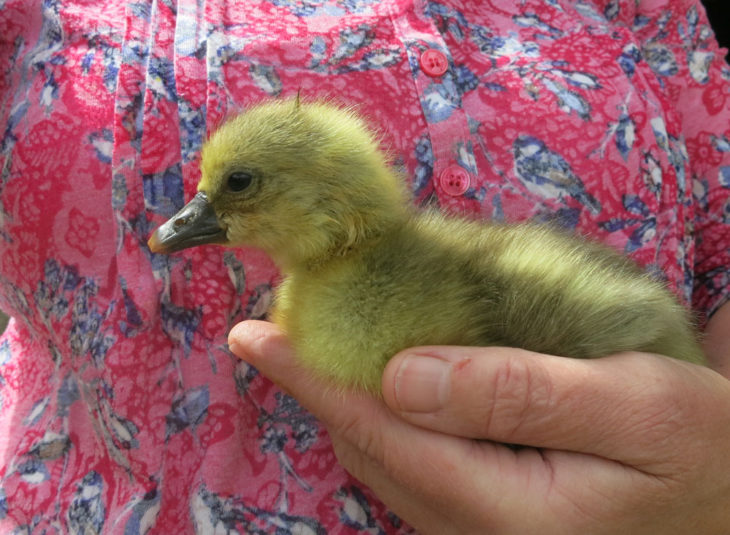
point(357, 429)
point(521, 393)
point(351, 458)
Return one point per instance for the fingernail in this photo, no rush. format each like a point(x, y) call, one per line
point(238, 331)
point(422, 384)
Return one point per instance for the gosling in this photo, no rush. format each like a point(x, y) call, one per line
point(366, 275)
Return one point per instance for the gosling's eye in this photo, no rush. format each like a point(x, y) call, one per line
point(239, 181)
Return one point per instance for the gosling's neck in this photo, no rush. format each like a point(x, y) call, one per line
point(356, 220)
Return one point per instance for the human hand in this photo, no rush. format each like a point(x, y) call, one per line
point(632, 443)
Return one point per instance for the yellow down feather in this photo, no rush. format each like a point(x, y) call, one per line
point(366, 275)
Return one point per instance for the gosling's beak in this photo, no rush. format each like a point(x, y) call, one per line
point(195, 224)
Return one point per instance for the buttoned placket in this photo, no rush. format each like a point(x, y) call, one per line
point(454, 165)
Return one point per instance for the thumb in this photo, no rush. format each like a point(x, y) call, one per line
point(614, 407)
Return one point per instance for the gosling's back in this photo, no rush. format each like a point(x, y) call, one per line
point(436, 280)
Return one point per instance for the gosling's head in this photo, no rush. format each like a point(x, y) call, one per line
point(300, 180)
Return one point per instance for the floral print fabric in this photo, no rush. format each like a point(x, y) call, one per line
point(122, 410)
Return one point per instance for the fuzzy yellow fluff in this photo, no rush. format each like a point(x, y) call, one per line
point(366, 275)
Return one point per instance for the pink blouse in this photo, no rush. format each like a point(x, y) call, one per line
point(121, 408)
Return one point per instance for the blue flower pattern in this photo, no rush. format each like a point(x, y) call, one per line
point(70, 300)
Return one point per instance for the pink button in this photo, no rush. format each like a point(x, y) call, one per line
point(454, 180)
point(434, 62)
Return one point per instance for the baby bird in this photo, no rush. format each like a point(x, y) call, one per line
point(367, 275)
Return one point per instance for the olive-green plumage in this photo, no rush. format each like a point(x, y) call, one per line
point(366, 275)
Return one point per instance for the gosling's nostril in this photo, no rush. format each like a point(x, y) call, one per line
point(180, 222)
